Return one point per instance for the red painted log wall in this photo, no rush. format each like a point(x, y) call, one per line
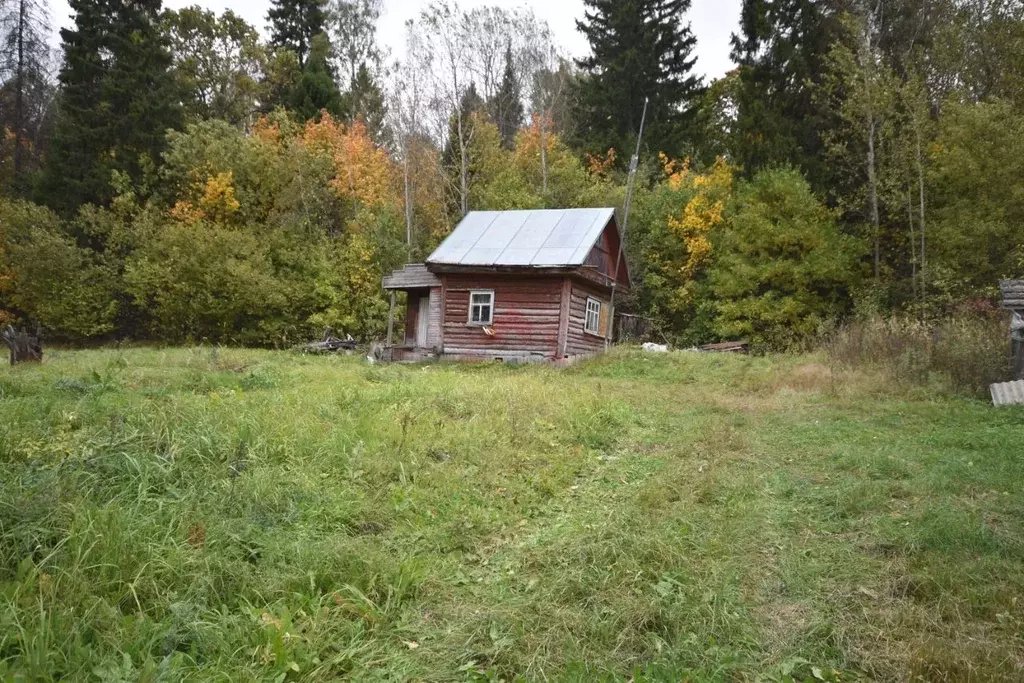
point(526, 315)
point(578, 341)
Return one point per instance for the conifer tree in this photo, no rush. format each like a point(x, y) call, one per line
point(507, 106)
point(317, 90)
point(24, 57)
point(294, 24)
point(781, 51)
point(641, 49)
point(365, 101)
point(119, 98)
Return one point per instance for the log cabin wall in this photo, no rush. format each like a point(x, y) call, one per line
point(578, 341)
point(526, 320)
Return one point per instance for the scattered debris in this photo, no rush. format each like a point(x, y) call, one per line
point(1007, 393)
point(330, 344)
point(727, 347)
point(655, 348)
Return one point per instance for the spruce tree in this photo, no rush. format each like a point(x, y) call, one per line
point(641, 49)
point(317, 90)
point(781, 52)
point(118, 100)
point(294, 24)
point(365, 101)
point(507, 105)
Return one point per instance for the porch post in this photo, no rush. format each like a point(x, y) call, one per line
point(391, 318)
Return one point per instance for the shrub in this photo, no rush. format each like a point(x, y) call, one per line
point(967, 351)
point(783, 267)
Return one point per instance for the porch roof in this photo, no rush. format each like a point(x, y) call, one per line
point(412, 276)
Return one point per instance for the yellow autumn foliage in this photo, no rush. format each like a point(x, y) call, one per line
point(702, 214)
point(213, 200)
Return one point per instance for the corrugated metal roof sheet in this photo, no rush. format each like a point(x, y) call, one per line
point(542, 238)
point(1007, 393)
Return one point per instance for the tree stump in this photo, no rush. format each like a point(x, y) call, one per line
point(25, 348)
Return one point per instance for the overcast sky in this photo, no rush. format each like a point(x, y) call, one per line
point(713, 22)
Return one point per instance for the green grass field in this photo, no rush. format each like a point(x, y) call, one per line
point(244, 515)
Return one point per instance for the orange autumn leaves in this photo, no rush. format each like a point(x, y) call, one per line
point(364, 176)
point(364, 173)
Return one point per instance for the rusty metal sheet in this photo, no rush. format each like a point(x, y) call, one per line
point(542, 238)
point(1007, 393)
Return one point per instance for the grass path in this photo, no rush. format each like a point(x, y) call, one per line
point(242, 515)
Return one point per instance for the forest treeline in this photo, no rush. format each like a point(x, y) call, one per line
point(172, 175)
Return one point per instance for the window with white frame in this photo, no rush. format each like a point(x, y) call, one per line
point(592, 324)
point(481, 307)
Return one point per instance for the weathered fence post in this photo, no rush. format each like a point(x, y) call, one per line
point(1017, 345)
point(1013, 301)
point(25, 348)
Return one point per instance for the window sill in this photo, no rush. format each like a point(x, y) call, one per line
point(593, 334)
point(479, 324)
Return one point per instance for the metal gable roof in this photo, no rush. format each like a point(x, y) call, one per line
point(541, 238)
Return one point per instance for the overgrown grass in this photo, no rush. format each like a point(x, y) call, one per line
point(240, 515)
point(966, 353)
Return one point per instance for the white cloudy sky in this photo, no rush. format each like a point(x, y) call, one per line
point(713, 22)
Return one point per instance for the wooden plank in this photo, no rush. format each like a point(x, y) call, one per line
point(391, 318)
point(443, 314)
point(563, 317)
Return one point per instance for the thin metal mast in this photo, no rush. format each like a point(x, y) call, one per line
point(633, 163)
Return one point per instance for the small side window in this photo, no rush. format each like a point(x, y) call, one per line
point(481, 307)
point(592, 324)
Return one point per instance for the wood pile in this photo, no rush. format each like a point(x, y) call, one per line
point(330, 344)
point(727, 347)
point(24, 347)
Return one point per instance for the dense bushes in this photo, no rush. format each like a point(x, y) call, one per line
point(258, 239)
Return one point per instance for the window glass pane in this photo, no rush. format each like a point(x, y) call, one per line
point(485, 313)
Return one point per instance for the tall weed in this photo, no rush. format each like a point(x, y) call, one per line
point(966, 352)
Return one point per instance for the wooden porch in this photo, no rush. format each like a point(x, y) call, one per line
point(421, 340)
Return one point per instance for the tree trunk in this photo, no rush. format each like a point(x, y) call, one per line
point(19, 91)
point(873, 193)
point(25, 348)
point(869, 115)
point(408, 199)
point(913, 243)
point(543, 154)
point(463, 167)
point(920, 185)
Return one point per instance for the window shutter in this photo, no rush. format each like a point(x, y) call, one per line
point(602, 327)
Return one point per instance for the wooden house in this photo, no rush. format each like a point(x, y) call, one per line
point(518, 286)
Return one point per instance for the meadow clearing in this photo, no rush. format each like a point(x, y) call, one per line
point(236, 515)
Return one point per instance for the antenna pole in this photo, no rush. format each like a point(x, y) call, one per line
point(633, 163)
